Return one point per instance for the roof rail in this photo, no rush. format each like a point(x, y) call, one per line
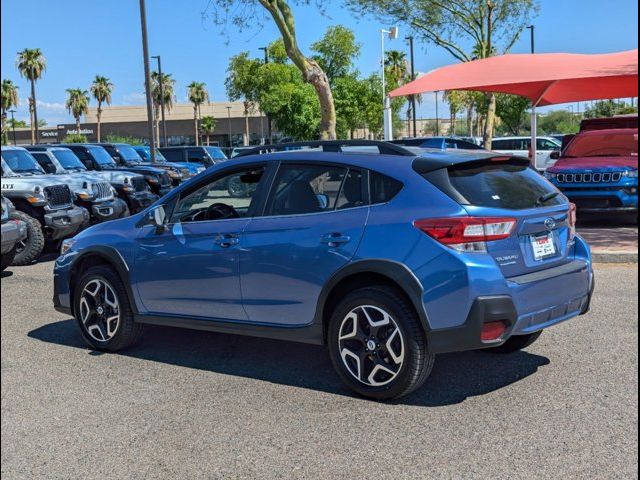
point(385, 148)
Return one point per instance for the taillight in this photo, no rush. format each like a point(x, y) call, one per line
point(573, 219)
point(492, 331)
point(467, 234)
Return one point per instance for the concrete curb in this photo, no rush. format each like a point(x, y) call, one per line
point(614, 257)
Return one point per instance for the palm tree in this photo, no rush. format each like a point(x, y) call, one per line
point(31, 65)
point(101, 89)
point(9, 100)
point(198, 95)
point(167, 93)
point(396, 67)
point(208, 125)
point(77, 104)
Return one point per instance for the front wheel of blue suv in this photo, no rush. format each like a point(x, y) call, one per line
point(103, 311)
point(377, 344)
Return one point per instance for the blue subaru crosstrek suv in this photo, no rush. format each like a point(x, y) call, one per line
point(385, 254)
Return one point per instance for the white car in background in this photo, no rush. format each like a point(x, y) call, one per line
point(522, 145)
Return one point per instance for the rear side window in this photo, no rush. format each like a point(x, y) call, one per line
point(302, 189)
point(173, 155)
point(383, 188)
point(500, 185)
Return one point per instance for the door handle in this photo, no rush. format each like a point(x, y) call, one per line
point(335, 239)
point(226, 240)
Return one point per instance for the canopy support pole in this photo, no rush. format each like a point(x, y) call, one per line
point(534, 125)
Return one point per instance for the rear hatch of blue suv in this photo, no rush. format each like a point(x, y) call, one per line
point(513, 254)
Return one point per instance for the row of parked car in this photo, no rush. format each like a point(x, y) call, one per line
point(51, 192)
point(597, 168)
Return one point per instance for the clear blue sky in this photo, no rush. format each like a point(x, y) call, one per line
point(83, 38)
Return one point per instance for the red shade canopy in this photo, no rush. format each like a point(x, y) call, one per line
point(545, 79)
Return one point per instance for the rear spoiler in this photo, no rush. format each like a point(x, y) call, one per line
point(430, 163)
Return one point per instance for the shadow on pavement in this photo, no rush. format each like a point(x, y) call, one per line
point(455, 377)
point(7, 273)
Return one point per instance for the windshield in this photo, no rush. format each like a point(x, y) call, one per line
point(128, 153)
point(618, 144)
point(101, 156)
point(145, 153)
point(68, 160)
point(21, 161)
point(215, 153)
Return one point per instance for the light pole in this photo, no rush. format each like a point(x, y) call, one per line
point(386, 102)
point(13, 127)
point(534, 115)
point(269, 133)
point(412, 99)
point(229, 122)
point(147, 79)
point(161, 87)
point(437, 117)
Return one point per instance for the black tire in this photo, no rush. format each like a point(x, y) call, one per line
point(33, 245)
point(516, 343)
point(417, 361)
point(7, 258)
point(127, 332)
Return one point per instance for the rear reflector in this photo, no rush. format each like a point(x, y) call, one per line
point(492, 331)
point(573, 219)
point(467, 233)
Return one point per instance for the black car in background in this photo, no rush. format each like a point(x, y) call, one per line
point(128, 159)
point(203, 155)
point(134, 191)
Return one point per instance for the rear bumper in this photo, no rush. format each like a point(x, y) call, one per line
point(525, 304)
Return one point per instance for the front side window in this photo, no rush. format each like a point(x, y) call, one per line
point(173, 155)
point(216, 153)
point(196, 155)
point(228, 196)
point(544, 144)
point(45, 162)
point(302, 189)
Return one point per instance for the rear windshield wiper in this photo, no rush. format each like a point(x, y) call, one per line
point(545, 198)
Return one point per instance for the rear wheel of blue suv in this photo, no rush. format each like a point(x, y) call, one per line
point(387, 259)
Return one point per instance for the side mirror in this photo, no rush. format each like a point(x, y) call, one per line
point(157, 218)
point(555, 155)
point(50, 168)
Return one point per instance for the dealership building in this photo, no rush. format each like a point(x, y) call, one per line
point(131, 121)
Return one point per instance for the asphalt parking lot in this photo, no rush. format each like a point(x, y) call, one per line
point(188, 404)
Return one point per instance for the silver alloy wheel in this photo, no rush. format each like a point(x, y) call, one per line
point(99, 310)
point(371, 345)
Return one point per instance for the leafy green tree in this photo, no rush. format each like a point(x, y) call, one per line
point(241, 13)
point(558, 121)
point(350, 98)
point(197, 93)
point(101, 89)
point(16, 123)
point(161, 96)
point(277, 52)
point(336, 52)
point(114, 138)
point(608, 108)
point(208, 125)
point(512, 111)
point(74, 138)
point(77, 104)
point(489, 27)
point(456, 101)
point(31, 65)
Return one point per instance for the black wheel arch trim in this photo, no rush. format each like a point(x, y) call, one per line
point(114, 258)
point(395, 271)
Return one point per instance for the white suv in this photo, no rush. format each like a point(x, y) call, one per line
point(522, 145)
